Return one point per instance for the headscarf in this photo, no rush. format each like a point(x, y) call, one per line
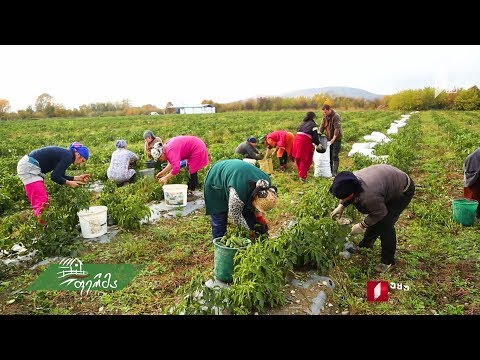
point(157, 150)
point(148, 133)
point(121, 144)
point(310, 116)
point(345, 184)
point(82, 150)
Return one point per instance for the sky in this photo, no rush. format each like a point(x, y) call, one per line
point(184, 74)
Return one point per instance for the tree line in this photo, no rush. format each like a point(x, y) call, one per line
point(417, 99)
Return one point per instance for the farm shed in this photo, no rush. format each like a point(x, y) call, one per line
point(193, 109)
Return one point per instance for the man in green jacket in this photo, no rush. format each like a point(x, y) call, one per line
point(238, 189)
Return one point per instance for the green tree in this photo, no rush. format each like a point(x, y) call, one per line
point(468, 99)
point(4, 106)
point(43, 101)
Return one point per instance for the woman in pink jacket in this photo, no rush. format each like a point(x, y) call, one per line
point(180, 151)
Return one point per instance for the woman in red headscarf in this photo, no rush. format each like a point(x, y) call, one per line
point(282, 142)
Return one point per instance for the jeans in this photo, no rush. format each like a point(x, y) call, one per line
point(385, 228)
point(219, 222)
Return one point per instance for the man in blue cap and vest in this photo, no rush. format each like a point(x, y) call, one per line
point(249, 149)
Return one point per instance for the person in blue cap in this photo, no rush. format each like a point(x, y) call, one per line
point(249, 149)
point(382, 191)
point(31, 169)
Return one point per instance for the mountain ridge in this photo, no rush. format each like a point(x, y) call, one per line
point(334, 91)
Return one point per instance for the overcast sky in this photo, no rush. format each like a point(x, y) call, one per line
point(81, 74)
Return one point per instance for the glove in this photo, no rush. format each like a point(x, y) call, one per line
point(320, 149)
point(261, 219)
point(260, 228)
point(329, 143)
point(338, 212)
point(357, 229)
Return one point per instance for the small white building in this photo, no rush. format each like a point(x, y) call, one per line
point(193, 109)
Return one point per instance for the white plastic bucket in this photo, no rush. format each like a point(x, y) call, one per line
point(93, 221)
point(147, 173)
point(250, 161)
point(175, 195)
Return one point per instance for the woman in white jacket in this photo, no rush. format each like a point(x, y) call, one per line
point(120, 165)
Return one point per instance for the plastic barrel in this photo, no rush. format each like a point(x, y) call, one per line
point(464, 211)
point(93, 221)
point(147, 173)
point(150, 164)
point(223, 261)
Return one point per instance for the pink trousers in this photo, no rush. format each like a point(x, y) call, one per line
point(37, 195)
point(303, 165)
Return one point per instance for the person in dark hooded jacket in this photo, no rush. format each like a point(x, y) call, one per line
point(382, 192)
point(471, 178)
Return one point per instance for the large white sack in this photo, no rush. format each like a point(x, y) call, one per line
point(322, 163)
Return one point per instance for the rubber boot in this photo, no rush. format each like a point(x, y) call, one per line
point(334, 168)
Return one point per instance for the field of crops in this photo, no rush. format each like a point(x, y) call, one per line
point(436, 257)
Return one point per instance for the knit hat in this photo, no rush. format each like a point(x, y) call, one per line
point(252, 139)
point(345, 184)
point(82, 150)
point(121, 144)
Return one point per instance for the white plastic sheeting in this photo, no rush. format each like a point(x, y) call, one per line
point(376, 137)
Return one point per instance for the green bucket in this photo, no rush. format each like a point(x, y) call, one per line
point(464, 211)
point(223, 261)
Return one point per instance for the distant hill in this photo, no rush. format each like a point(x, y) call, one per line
point(334, 91)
